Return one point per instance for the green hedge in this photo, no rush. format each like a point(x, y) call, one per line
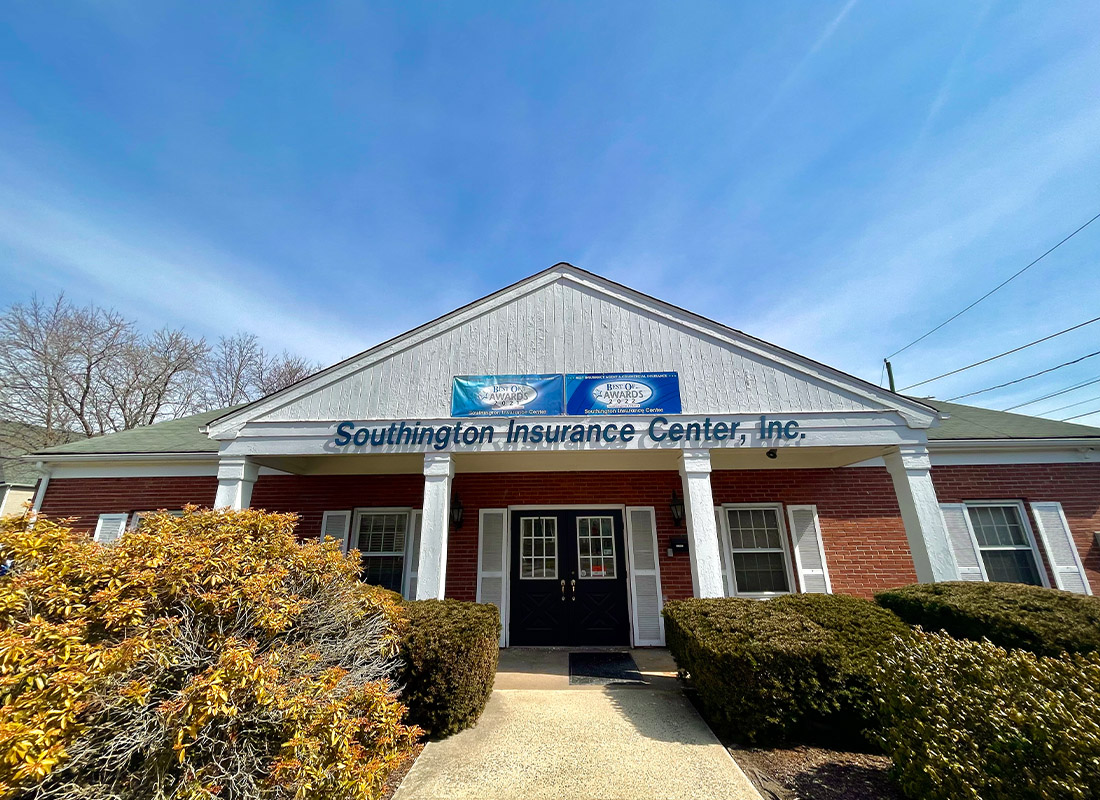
point(1044, 621)
point(964, 719)
point(796, 667)
point(450, 654)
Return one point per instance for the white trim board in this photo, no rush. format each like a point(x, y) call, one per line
point(124, 469)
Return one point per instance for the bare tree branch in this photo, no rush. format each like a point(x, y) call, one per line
point(68, 372)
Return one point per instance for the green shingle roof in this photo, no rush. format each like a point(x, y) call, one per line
point(971, 422)
point(181, 435)
point(965, 422)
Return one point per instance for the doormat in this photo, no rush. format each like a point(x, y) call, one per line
point(603, 669)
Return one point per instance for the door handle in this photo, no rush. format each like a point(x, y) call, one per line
point(573, 586)
point(563, 590)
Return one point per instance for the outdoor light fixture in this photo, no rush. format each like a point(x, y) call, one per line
point(677, 507)
point(773, 453)
point(456, 512)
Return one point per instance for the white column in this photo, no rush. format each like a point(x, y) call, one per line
point(43, 482)
point(925, 529)
point(706, 565)
point(236, 476)
point(431, 574)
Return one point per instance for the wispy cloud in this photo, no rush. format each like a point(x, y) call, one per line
point(796, 72)
point(141, 266)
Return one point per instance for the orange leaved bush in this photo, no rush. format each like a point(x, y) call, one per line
point(208, 655)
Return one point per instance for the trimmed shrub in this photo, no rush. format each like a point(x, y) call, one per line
point(793, 668)
point(1043, 621)
point(450, 652)
point(863, 631)
point(967, 719)
point(206, 655)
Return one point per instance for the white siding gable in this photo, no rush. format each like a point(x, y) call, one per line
point(565, 322)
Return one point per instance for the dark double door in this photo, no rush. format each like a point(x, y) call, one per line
point(568, 581)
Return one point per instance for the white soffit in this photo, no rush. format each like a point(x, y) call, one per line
point(567, 320)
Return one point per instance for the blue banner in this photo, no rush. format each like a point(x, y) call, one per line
point(507, 396)
point(623, 393)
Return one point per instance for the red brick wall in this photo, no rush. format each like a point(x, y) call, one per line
point(865, 545)
point(312, 496)
point(1075, 486)
point(87, 498)
point(865, 542)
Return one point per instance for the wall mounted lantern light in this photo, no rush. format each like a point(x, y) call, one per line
point(677, 508)
point(456, 512)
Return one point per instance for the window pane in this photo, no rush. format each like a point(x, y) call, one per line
point(760, 572)
point(997, 526)
point(383, 571)
point(382, 533)
point(759, 560)
point(538, 547)
point(1011, 566)
point(595, 547)
point(380, 539)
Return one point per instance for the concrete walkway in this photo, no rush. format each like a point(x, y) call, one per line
point(542, 738)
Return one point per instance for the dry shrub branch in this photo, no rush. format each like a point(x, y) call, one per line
point(205, 656)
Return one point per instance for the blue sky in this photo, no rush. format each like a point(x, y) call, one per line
point(835, 177)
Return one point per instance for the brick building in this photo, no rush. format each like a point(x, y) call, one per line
point(578, 453)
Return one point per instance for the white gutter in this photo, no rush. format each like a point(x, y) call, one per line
point(60, 458)
point(1061, 443)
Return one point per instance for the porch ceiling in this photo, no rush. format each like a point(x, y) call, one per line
point(790, 457)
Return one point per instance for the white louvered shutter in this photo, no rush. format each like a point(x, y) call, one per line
point(645, 576)
point(336, 525)
point(109, 527)
point(1065, 561)
point(492, 562)
point(964, 546)
point(412, 562)
point(809, 550)
point(723, 556)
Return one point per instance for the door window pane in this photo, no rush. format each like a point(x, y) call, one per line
point(538, 547)
point(595, 547)
point(380, 539)
point(759, 558)
point(1006, 550)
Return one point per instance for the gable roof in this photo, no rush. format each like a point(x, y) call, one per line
point(566, 319)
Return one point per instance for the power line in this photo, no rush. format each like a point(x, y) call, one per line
point(1071, 405)
point(995, 288)
point(1078, 416)
point(1053, 394)
point(1002, 355)
point(1025, 378)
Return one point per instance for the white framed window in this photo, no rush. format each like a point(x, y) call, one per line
point(538, 548)
point(380, 535)
point(759, 552)
point(596, 547)
point(1005, 542)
